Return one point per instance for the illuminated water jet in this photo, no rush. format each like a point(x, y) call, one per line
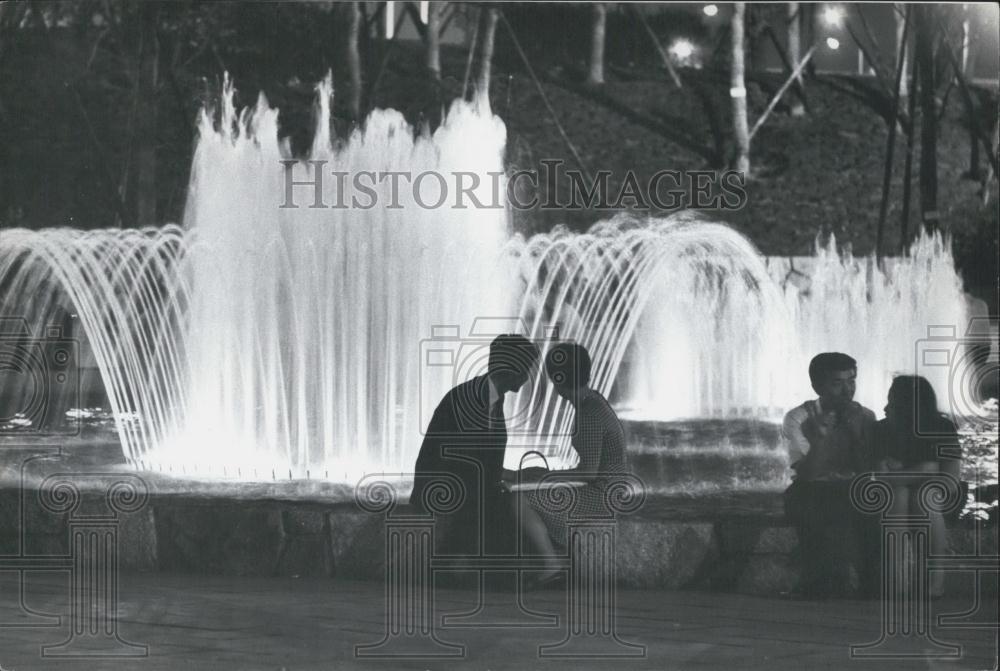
point(261, 339)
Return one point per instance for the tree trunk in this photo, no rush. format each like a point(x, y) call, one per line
point(354, 59)
point(795, 54)
point(738, 91)
point(5, 10)
point(899, 10)
point(928, 114)
point(486, 54)
point(973, 146)
point(965, 44)
point(911, 113)
point(433, 40)
point(473, 43)
point(890, 149)
point(145, 176)
point(994, 145)
point(596, 75)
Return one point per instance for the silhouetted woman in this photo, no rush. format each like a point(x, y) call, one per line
point(598, 439)
point(916, 438)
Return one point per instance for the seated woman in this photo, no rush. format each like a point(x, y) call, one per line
point(598, 439)
point(915, 437)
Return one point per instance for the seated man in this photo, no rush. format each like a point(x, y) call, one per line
point(828, 443)
point(466, 439)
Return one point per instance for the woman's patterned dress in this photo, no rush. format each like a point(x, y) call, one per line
point(599, 440)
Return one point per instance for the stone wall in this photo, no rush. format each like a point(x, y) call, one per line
point(663, 546)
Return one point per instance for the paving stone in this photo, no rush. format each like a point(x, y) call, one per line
point(137, 541)
point(229, 538)
point(664, 554)
point(215, 622)
point(971, 539)
point(742, 536)
point(766, 575)
point(358, 543)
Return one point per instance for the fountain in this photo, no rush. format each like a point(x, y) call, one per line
point(265, 341)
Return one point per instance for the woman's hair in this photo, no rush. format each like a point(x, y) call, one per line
point(914, 396)
point(568, 363)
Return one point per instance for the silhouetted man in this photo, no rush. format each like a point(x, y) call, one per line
point(466, 439)
point(829, 443)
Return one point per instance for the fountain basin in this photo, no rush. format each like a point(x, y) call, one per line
point(722, 536)
point(736, 542)
point(696, 456)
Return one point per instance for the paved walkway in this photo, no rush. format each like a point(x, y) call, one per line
point(201, 622)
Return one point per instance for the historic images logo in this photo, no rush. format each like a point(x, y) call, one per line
point(519, 189)
point(450, 356)
point(66, 521)
point(68, 524)
point(913, 504)
point(40, 380)
point(415, 559)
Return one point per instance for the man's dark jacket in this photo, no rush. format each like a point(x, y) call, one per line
point(463, 441)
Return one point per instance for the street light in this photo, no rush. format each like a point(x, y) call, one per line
point(833, 16)
point(710, 10)
point(833, 43)
point(682, 49)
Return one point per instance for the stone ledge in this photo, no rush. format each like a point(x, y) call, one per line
point(667, 545)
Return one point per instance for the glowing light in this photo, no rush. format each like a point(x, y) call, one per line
point(390, 19)
point(833, 43)
point(710, 10)
point(682, 49)
point(833, 16)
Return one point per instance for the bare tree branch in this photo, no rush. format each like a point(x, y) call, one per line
point(545, 99)
point(664, 57)
point(890, 145)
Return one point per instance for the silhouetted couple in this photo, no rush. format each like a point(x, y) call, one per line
point(467, 437)
point(831, 440)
